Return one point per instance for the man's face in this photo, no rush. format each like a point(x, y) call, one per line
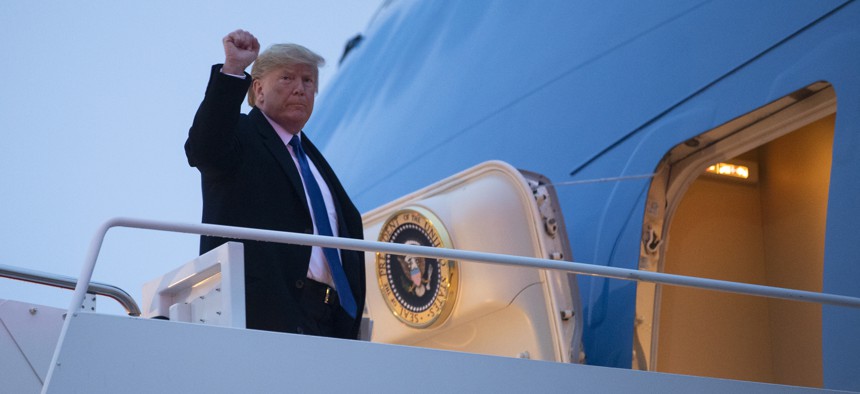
point(286, 95)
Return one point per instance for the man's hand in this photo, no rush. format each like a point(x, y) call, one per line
point(240, 50)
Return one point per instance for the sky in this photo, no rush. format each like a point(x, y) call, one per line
point(96, 99)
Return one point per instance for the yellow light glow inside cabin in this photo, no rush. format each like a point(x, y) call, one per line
point(732, 170)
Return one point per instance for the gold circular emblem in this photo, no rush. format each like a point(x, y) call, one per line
point(419, 291)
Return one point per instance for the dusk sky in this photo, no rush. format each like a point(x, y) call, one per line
point(97, 98)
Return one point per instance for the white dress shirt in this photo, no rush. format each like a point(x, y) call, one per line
point(318, 269)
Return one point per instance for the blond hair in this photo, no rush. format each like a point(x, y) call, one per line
point(280, 55)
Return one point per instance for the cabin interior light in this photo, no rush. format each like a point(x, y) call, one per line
point(739, 171)
point(732, 170)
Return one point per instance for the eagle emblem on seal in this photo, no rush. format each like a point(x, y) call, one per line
point(419, 291)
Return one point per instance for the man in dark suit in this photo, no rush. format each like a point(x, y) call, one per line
point(261, 171)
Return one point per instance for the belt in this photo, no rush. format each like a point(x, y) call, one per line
point(317, 292)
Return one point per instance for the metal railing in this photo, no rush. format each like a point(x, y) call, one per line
point(424, 251)
point(68, 282)
point(453, 254)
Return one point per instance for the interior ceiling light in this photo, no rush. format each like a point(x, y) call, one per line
point(738, 171)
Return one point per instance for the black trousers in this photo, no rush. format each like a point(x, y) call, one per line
point(319, 304)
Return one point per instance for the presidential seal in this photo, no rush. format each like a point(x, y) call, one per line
point(419, 291)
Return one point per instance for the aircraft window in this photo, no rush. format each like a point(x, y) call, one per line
point(757, 216)
point(350, 45)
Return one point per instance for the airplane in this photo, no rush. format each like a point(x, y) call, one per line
point(685, 139)
point(644, 95)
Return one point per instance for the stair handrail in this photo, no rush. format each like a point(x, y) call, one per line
point(68, 282)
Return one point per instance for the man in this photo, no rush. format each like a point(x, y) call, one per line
point(261, 171)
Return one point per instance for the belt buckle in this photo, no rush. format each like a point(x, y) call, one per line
point(327, 295)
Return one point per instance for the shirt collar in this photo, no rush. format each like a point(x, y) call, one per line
point(285, 135)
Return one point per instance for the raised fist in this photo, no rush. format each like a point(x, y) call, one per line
point(240, 50)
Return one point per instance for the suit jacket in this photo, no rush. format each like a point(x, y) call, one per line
point(250, 180)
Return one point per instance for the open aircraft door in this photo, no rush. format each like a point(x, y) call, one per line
point(468, 306)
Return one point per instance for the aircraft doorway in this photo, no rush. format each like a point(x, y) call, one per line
point(767, 228)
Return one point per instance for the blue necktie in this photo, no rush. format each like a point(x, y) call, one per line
point(347, 302)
